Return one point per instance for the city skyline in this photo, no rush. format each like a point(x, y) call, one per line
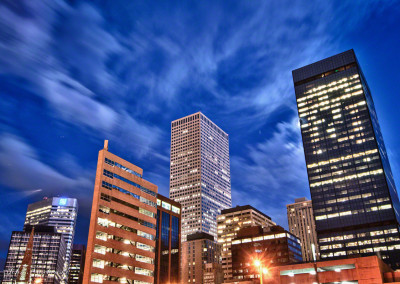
point(55, 114)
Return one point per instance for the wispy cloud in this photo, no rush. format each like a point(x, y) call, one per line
point(22, 169)
point(273, 172)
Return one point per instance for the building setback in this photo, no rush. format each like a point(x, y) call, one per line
point(59, 212)
point(271, 246)
point(48, 255)
point(229, 223)
point(168, 241)
point(199, 250)
point(121, 242)
point(354, 198)
point(199, 173)
point(77, 264)
point(302, 225)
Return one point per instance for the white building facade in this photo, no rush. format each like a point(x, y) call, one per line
point(199, 172)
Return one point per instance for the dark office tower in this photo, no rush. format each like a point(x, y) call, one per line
point(355, 202)
point(77, 264)
point(35, 256)
point(168, 241)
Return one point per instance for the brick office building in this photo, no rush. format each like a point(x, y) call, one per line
point(121, 242)
point(271, 246)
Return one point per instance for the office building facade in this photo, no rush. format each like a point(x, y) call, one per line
point(121, 242)
point(168, 241)
point(199, 250)
point(302, 225)
point(270, 246)
point(199, 172)
point(46, 257)
point(77, 264)
point(213, 273)
point(58, 212)
point(358, 270)
point(355, 202)
point(229, 223)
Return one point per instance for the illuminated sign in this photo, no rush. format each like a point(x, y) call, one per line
point(62, 201)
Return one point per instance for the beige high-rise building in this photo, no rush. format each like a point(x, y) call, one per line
point(229, 223)
point(302, 224)
point(200, 173)
point(199, 252)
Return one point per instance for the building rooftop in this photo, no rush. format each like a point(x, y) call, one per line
point(166, 199)
point(200, 115)
point(242, 208)
point(199, 236)
point(323, 65)
point(40, 229)
point(302, 199)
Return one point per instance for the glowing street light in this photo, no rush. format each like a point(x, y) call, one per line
point(262, 270)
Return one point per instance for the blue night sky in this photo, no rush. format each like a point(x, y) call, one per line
point(75, 73)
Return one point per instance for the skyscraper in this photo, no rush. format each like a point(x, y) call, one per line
point(58, 212)
point(42, 256)
point(229, 223)
point(355, 202)
point(302, 225)
point(121, 242)
point(168, 241)
point(200, 172)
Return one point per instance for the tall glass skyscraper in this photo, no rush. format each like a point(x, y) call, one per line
point(355, 202)
point(58, 212)
point(200, 177)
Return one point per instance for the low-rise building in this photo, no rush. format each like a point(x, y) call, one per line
point(213, 273)
point(256, 249)
point(229, 223)
point(199, 250)
point(361, 270)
